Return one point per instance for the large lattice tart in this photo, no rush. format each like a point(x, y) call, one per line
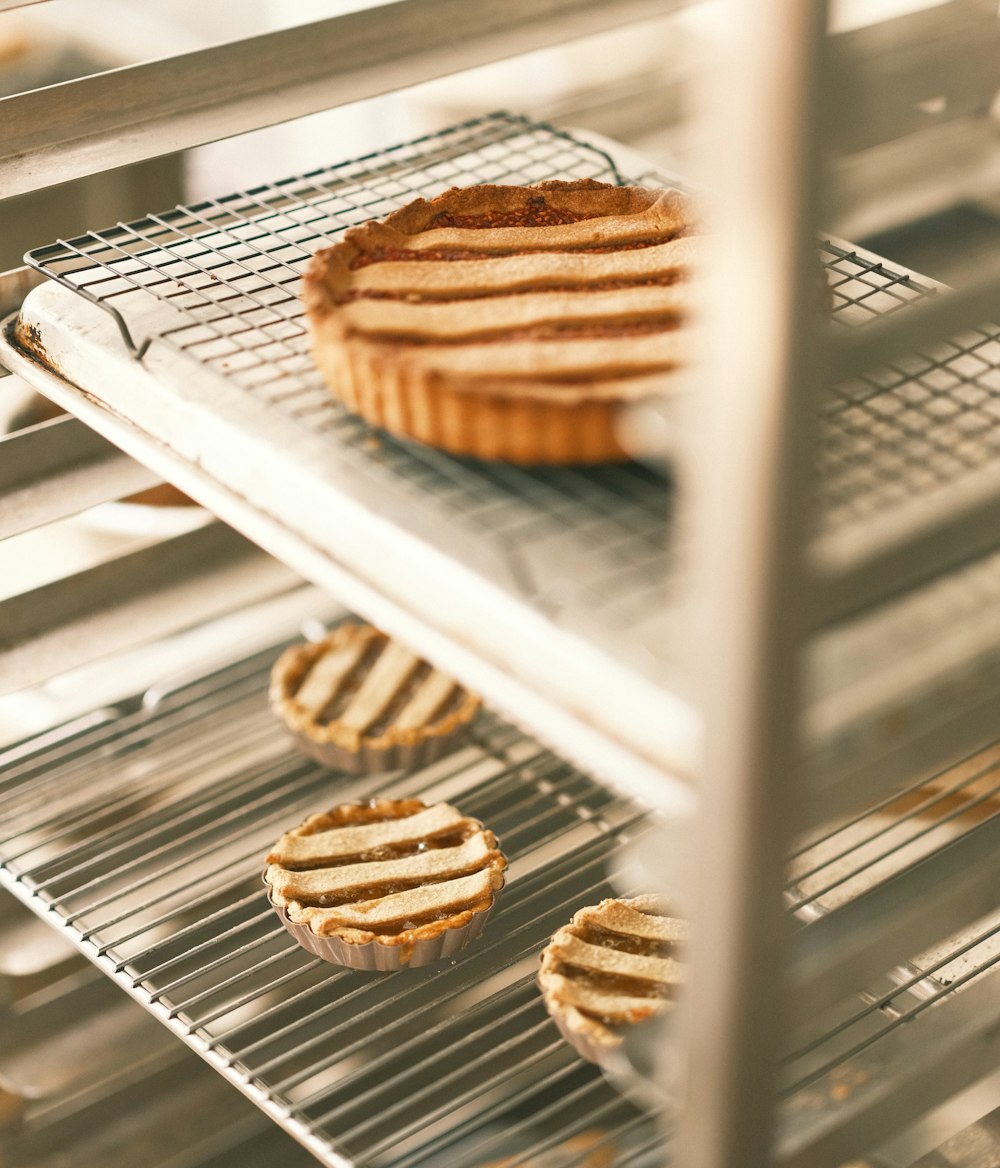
point(507, 322)
point(613, 965)
point(386, 883)
point(359, 701)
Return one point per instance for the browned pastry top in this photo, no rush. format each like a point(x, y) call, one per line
point(565, 294)
point(357, 687)
point(615, 963)
point(392, 870)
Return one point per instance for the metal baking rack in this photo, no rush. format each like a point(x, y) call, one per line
point(140, 834)
point(228, 268)
point(136, 1096)
point(209, 254)
point(206, 298)
point(911, 426)
point(220, 282)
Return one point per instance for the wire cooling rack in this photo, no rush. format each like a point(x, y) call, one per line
point(142, 835)
point(221, 281)
point(228, 268)
point(910, 426)
point(139, 832)
point(217, 284)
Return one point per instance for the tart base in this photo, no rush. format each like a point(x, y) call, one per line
point(370, 760)
point(485, 424)
point(378, 957)
point(598, 1047)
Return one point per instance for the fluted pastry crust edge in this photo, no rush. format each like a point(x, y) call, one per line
point(512, 420)
point(592, 1039)
point(329, 745)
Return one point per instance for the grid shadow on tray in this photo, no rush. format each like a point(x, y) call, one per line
point(591, 547)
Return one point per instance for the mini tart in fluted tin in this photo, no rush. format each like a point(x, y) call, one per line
point(615, 964)
point(360, 702)
point(508, 322)
point(385, 884)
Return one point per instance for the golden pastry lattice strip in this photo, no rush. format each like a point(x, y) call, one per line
point(438, 863)
point(356, 839)
point(455, 278)
point(569, 948)
point(577, 357)
point(472, 318)
point(327, 675)
point(623, 918)
point(614, 1007)
point(389, 674)
point(666, 216)
point(432, 693)
point(394, 911)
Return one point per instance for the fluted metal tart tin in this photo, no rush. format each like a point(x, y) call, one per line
point(587, 1045)
point(370, 760)
point(378, 956)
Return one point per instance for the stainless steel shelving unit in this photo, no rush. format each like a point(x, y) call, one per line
point(855, 656)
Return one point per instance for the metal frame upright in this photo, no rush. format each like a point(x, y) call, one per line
point(751, 489)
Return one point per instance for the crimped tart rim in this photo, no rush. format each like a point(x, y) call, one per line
point(592, 1038)
point(296, 660)
point(405, 938)
point(474, 413)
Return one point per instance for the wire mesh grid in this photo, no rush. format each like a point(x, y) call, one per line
point(142, 833)
point(137, 1097)
point(903, 828)
point(224, 277)
point(911, 991)
point(915, 424)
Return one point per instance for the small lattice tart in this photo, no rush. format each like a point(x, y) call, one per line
point(386, 883)
point(508, 322)
point(613, 965)
point(358, 701)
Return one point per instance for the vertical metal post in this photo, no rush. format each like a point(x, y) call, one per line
point(750, 483)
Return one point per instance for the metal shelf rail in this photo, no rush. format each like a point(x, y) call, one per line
point(111, 119)
point(772, 98)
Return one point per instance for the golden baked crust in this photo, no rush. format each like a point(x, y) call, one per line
point(507, 322)
point(613, 965)
point(389, 872)
point(358, 692)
